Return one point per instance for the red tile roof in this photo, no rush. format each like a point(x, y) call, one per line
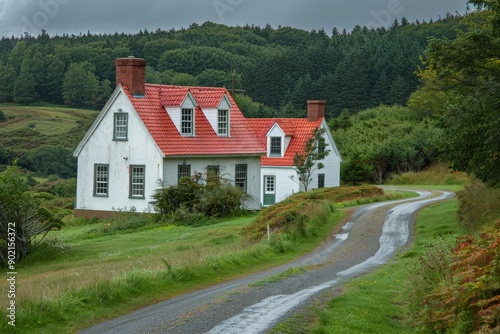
point(242, 140)
point(300, 130)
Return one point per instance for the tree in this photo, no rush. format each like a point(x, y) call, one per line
point(8, 76)
point(343, 121)
point(25, 84)
point(23, 220)
point(356, 169)
point(80, 86)
point(315, 151)
point(48, 159)
point(468, 70)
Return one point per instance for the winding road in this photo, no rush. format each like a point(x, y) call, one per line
point(371, 237)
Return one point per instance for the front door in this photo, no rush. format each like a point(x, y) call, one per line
point(269, 190)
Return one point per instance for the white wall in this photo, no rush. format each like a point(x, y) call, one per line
point(100, 148)
point(331, 163)
point(227, 170)
point(285, 186)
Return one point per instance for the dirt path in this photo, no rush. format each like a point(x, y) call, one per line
point(372, 235)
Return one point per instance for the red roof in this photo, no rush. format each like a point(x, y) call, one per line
point(299, 129)
point(242, 140)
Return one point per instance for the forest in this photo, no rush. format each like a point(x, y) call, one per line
point(440, 77)
point(279, 68)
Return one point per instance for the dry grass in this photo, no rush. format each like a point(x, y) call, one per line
point(438, 174)
point(85, 262)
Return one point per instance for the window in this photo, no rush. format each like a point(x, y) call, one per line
point(275, 148)
point(137, 181)
point(101, 180)
point(120, 126)
point(270, 183)
point(223, 122)
point(321, 180)
point(240, 178)
point(183, 170)
point(187, 122)
point(213, 173)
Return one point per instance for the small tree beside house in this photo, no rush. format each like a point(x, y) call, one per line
point(309, 162)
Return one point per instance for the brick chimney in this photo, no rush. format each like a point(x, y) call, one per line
point(131, 72)
point(315, 110)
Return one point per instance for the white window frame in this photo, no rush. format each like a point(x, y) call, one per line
point(223, 122)
point(120, 127)
point(101, 180)
point(273, 147)
point(241, 176)
point(187, 122)
point(137, 181)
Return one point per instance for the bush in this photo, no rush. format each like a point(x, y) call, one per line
point(186, 193)
point(193, 198)
point(466, 300)
point(222, 200)
point(58, 187)
point(479, 205)
point(2, 117)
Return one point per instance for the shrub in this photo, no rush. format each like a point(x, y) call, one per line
point(467, 301)
point(193, 198)
point(58, 187)
point(222, 200)
point(479, 205)
point(186, 193)
point(2, 117)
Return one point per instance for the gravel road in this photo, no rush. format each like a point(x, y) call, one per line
point(372, 236)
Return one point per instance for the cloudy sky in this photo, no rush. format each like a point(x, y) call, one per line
point(130, 16)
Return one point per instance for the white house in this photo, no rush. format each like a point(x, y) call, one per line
point(283, 138)
point(149, 134)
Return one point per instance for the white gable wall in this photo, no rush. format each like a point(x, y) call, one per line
point(175, 112)
point(100, 148)
point(286, 177)
point(276, 132)
point(331, 163)
point(212, 114)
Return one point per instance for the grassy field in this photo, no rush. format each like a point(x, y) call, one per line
point(28, 127)
point(379, 302)
point(90, 271)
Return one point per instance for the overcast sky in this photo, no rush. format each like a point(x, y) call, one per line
point(110, 16)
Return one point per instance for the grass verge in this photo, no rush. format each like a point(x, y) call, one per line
point(378, 302)
point(102, 269)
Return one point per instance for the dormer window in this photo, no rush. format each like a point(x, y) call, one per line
point(275, 147)
point(187, 122)
point(120, 126)
point(223, 122)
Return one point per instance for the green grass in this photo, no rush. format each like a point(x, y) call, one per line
point(95, 270)
point(95, 278)
point(28, 127)
point(378, 302)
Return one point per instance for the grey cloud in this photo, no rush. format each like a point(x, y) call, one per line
point(98, 16)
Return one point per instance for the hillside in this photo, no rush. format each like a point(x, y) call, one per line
point(29, 132)
point(278, 67)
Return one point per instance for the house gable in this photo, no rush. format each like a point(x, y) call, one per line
point(276, 142)
point(183, 114)
point(219, 116)
point(118, 103)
